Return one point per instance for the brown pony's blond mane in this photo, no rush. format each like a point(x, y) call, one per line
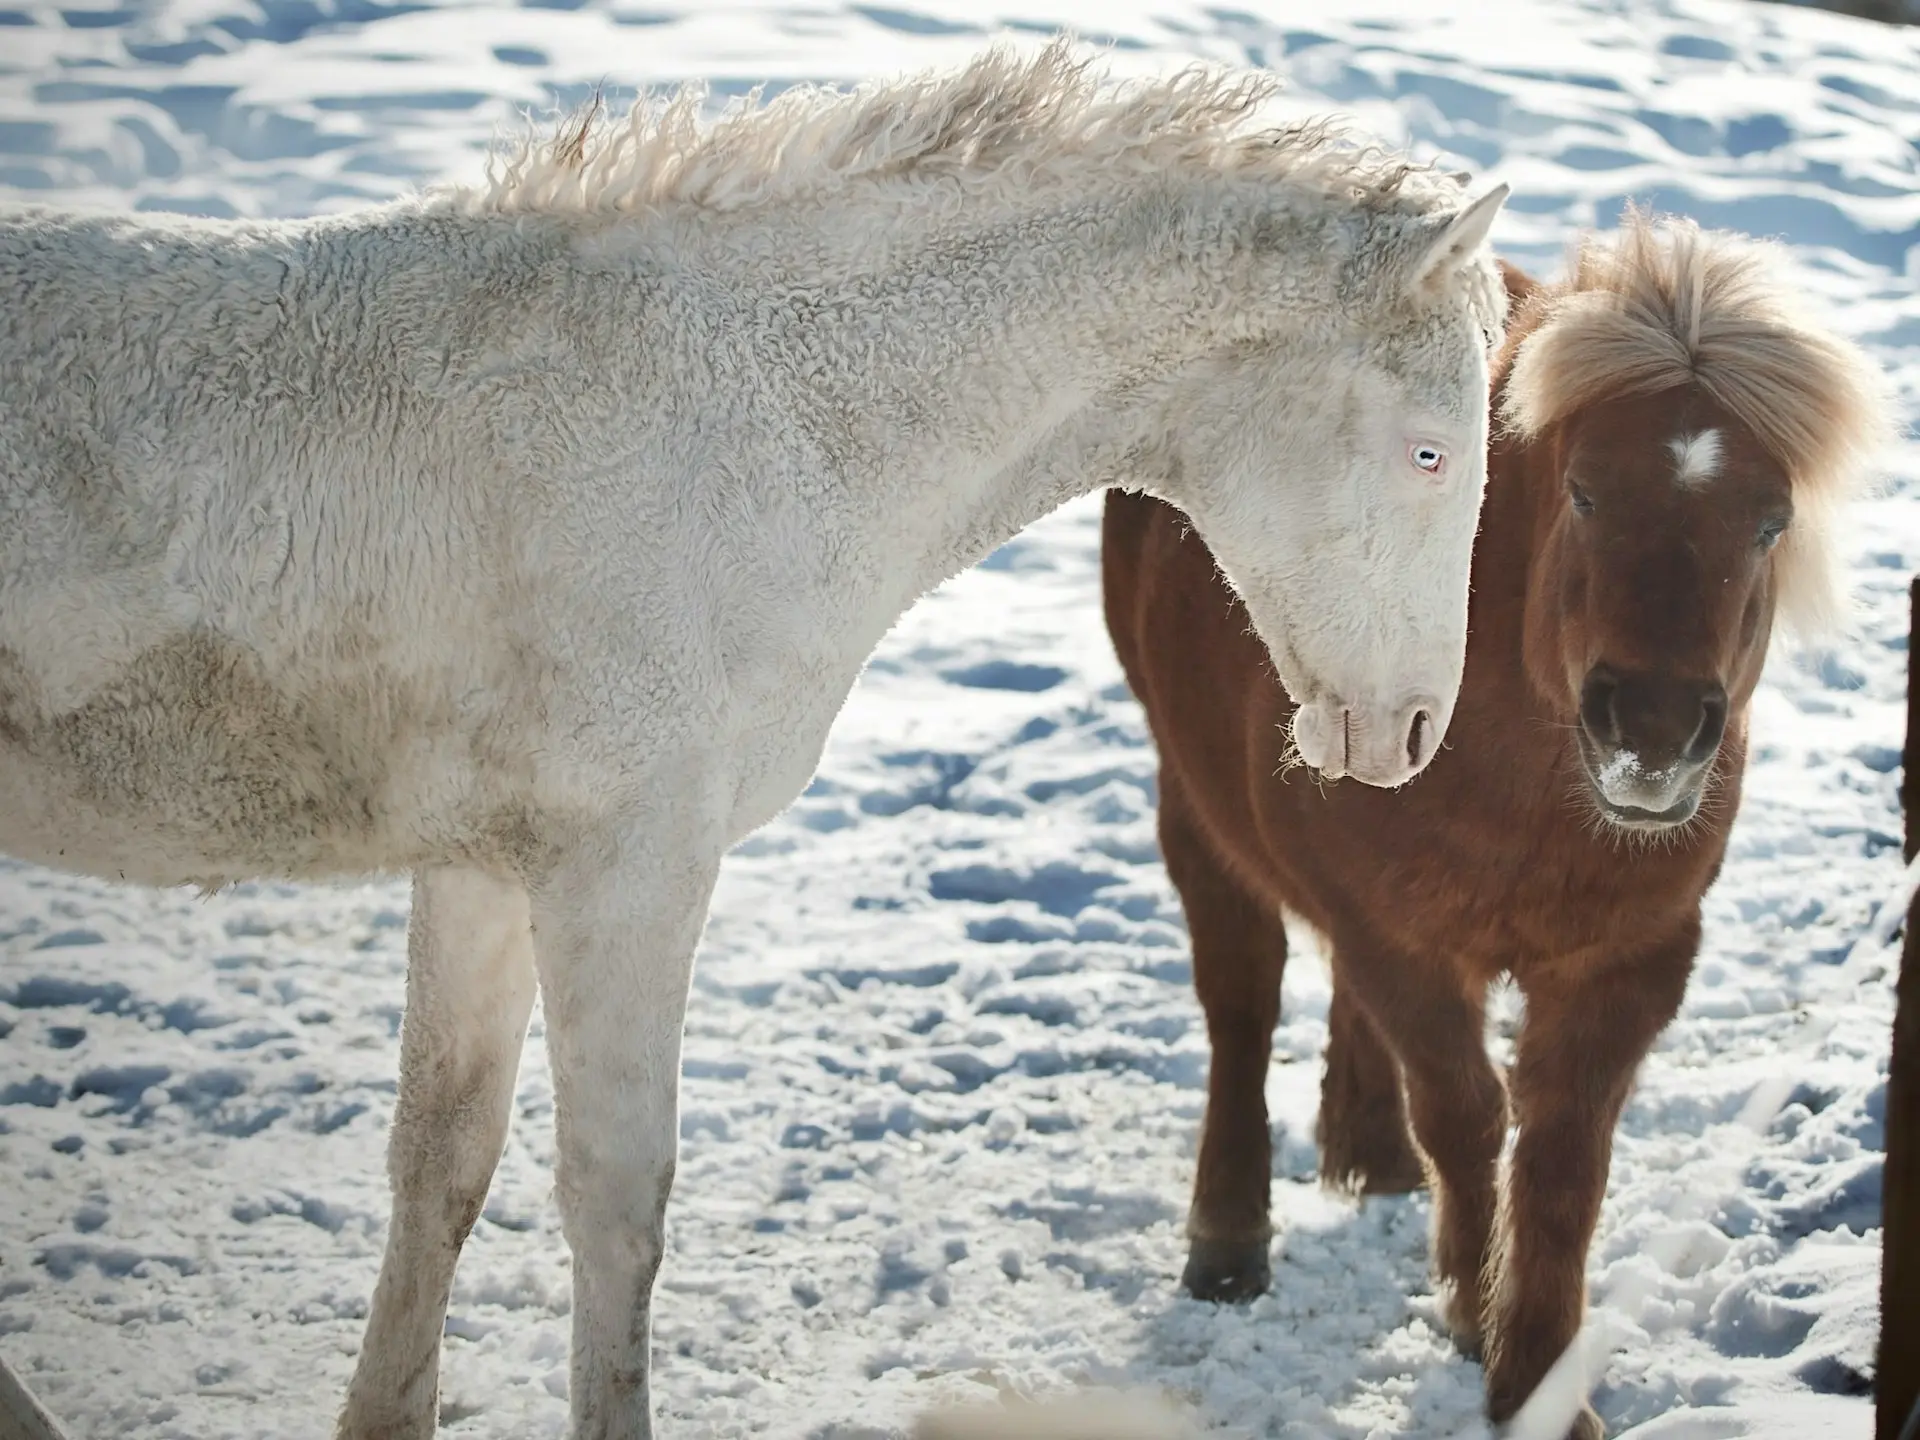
point(1664, 304)
point(1006, 122)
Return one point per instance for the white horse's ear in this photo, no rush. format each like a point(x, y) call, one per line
point(1464, 234)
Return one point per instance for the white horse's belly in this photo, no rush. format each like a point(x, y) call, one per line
point(189, 766)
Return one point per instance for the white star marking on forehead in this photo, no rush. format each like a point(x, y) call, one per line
point(1696, 458)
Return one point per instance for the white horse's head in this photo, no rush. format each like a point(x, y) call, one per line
point(1336, 473)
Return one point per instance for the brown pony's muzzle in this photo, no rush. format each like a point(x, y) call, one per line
point(1658, 717)
point(1647, 741)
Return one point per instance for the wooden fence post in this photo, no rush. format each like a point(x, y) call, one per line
point(1897, 1372)
point(21, 1417)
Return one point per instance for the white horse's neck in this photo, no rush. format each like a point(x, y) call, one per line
point(955, 375)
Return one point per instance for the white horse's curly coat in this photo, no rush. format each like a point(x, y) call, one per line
point(531, 537)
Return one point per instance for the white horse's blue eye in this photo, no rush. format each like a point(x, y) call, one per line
point(1429, 458)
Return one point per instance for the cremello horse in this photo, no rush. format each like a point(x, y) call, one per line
point(530, 537)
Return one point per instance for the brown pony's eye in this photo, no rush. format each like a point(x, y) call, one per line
point(1771, 531)
point(1582, 502)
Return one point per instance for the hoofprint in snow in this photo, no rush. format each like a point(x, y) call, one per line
point(943, 1070)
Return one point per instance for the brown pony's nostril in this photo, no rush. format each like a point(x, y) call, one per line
point(1598, 714)
point(1713, 723)
point(1417, 736)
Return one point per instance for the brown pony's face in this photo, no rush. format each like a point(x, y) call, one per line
point(1652, 596)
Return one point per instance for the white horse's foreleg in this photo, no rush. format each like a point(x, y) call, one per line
point(470, 985)
point(615, 944)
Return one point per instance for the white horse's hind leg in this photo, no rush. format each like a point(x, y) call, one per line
point(615, 945)
point(470, 986)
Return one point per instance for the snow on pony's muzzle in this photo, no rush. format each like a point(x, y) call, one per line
point(1383, 745)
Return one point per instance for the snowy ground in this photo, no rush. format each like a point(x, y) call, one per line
point(944, 1069)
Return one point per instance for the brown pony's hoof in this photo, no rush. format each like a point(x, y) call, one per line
point(1382, 1162)
point(1461, 1316)
point(1470, 1343)
point(1227, 1271)
point(1402, 1175)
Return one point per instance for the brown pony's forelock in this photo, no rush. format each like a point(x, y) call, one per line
point(1664, 304)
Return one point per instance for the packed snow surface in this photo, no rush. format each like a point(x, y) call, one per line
point(944, 1069)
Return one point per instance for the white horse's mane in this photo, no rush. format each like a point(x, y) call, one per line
point(1005, 122)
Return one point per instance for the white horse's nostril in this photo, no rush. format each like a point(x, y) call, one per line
point(1417, 737)
point(1346, 739)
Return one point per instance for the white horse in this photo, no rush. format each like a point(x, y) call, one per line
point(530, 537)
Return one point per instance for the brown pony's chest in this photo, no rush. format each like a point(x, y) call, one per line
point(1490, 860)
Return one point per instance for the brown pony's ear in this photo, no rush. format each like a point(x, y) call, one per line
point(1520, 285)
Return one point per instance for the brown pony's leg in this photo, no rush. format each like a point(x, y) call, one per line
point(1456, 1099)
point(1362, 1130)
point(1239, 951)
point(1583, 1037)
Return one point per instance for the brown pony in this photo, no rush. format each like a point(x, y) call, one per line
point(1675, 441)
